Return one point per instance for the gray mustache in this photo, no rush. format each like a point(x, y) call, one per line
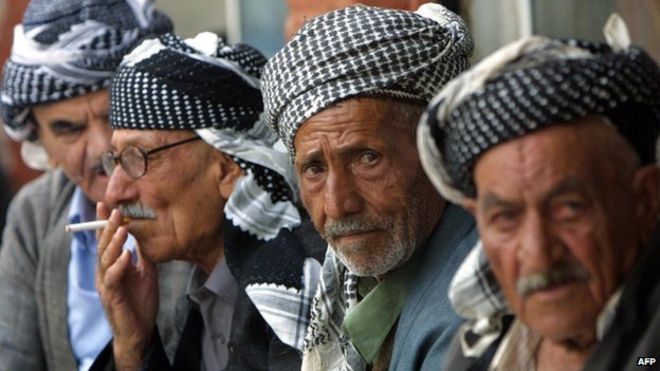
point(338, 228)
point(559, 274)
point(137, 211)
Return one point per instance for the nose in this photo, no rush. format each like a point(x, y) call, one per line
point(342, 196)
point(121, 188)
point(99, 138)
point(540, 245)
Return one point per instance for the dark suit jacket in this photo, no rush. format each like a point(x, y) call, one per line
point(252, 343)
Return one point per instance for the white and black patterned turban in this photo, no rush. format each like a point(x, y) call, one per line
point(207, 86)
point(68, 48)
point(362, 51)
point(534, 83)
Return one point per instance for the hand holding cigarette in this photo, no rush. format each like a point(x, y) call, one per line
point(128, 292)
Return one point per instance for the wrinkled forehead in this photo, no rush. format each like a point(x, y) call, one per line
point(545, 158)
point(371, 116)
point(122, 138)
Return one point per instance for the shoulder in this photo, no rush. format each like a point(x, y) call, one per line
point(428, 321)
point(50, 191)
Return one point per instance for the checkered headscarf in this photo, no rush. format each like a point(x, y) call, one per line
point(168, 83)
point(534, 83)
point(205, 85)
point(68, 48)
point(358, 51)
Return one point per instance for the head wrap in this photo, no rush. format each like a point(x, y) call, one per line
point(362, 51)
point(68, 48)
point(211, 88)
point(532, 84)
point(207, 86)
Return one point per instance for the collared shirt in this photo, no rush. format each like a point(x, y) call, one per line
point(517, 352)
point(371, 320)
point(215, 299)
point(89, 331)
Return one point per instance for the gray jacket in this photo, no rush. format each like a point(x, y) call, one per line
point(34, 260)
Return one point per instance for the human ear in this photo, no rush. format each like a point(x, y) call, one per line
point(228, 175)
point(470, 204)
point(646, 185)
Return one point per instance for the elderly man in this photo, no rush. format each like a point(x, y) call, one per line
point(345, 96)
point(201, 178)
point(551, 145)
point(53, 98)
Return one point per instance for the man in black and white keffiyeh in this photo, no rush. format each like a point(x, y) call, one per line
point(345, 95)
point(203, 179)
point(552, 144)
point(54, 99)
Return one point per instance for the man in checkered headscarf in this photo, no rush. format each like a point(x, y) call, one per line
point(345, 95)
point(552, 145)
point(203, 179)
point(54, 100)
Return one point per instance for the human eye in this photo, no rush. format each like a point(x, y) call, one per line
point(311, 170)
point(368, 158)
point(503, 219)
point(63, 128)
point(569, 208)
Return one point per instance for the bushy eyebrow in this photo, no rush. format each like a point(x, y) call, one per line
point(490, 201)
point(350, 149)
point(568, 185)
point(62, 122)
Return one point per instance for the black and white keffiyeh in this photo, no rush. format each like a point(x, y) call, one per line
point(362, 51)
point(68, 48)
point(327, 346)
point(531, 84)
point(476, 296)
point(211, 88)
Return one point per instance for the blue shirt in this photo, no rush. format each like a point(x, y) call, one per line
point(89, 331)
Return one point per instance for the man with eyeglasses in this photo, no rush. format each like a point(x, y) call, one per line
point(54, 99)
point(225, 203)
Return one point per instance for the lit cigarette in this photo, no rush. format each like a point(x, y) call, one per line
point(89, 226)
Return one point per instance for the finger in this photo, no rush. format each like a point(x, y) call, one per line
point(102, 212)
point(116, 271)
point(108, 232)
point(143, 264)
point(114, 248)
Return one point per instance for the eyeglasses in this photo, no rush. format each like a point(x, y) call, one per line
point(134, 159)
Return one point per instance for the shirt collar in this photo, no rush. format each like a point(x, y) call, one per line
point(607, 314)
point(371, 320)
point(82, 210)
point(220, 283)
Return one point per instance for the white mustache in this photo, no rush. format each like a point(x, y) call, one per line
point(559, 274)
point(334, 229)
point(137, 211)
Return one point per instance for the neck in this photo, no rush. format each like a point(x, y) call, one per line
point(209, 256)
point(564, 355)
